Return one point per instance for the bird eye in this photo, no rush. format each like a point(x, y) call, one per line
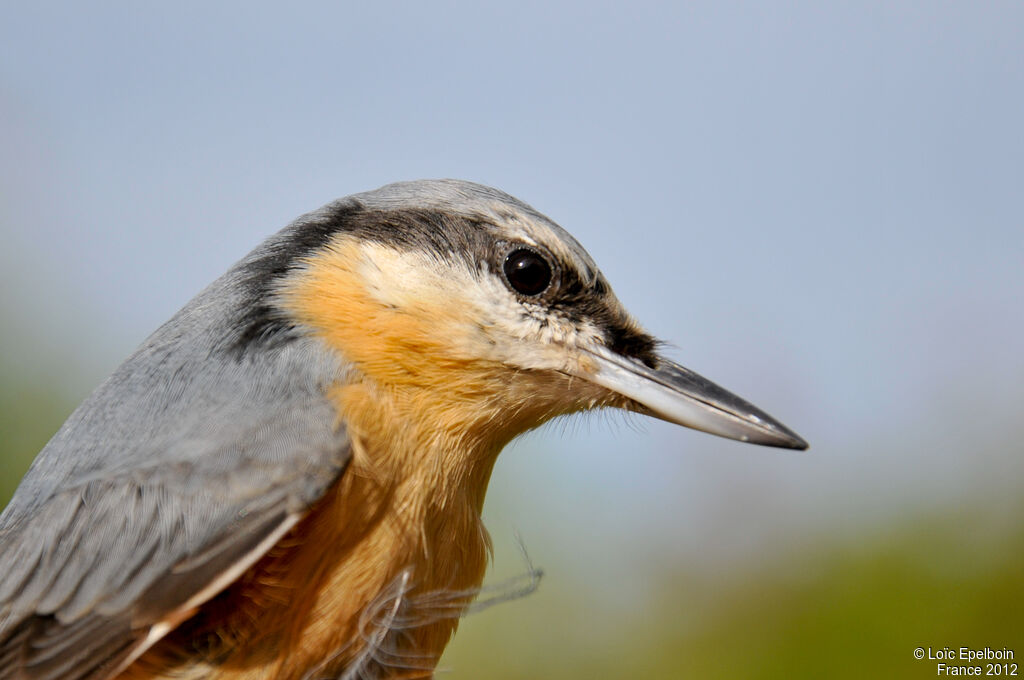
point(527, 272)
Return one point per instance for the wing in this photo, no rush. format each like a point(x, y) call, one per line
point(175, 476)
point(107, 567)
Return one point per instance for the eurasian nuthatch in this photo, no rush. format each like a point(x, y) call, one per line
point(287, 477)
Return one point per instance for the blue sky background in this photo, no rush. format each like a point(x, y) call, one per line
point(819, 205)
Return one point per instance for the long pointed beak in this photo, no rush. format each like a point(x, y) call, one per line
point(680, 396)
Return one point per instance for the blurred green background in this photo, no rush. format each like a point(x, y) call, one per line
point(819, 206)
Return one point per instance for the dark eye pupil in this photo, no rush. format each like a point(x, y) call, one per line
point(527, 272)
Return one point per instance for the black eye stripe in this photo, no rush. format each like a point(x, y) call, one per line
point(527, 271)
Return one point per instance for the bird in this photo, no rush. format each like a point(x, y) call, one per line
point(286, 479)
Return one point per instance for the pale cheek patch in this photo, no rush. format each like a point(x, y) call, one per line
point(474, 313)
point(527, 335)
point(405, 280)
point(440, 296)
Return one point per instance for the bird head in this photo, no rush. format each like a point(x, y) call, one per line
point(456, 300)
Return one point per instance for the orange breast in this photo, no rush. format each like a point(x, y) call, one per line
point(365, 578)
